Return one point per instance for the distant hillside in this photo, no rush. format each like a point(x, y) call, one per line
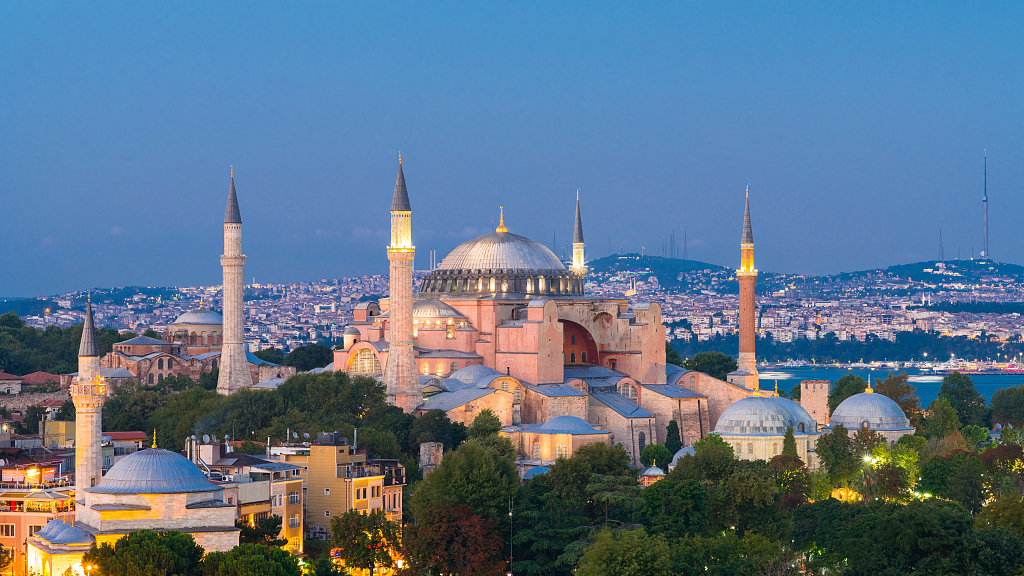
point(935, 271)
point(26, 306)
point(665, 269)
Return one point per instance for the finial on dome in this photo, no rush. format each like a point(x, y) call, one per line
point(501, 221)
point(869, 390)
point(154, 437)
point(399, 156)
point(90, 297)
point(776, 387)
point(232, 170)
point(200, 301)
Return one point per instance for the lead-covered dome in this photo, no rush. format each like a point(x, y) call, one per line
point(769, 415)
point(153, 471)
point(876, 411)
point(501, 250)
point(200, 316)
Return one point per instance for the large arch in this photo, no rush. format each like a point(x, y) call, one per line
point(364, 361)
point(578, 344)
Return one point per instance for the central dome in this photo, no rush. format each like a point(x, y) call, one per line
point(200, 316)
point(501, 250)
point(153, 471)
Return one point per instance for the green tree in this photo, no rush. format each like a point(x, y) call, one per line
point(33, 415)
point(1008, 406)
point(251, 448)
point(265, 532)
point(675, 507)
point(66, 412)
point(146, 552)
point(671, 356)
point(673, 441)
point(712, 462)
point(966, 484)
point(450, 539)
point(307, 357)
point(835, 451)
point(1006, 512)
point(942, 419)
point(789, 444)
point(618, 497)
point(272, 355)
point(544, 525)
point(150, 333)
point(486, 423)
point(499, 444)
point(626, 553)
point(365, 541)
point(714, 364)
point(792, 479)
point(898, 388)
point(749, 501)
point(251, 560)
point(970, 406)
point(656, 455)
point(844, 388)
point(473, 476)
point(434, 426)
point(974, 435)
point(568, 477)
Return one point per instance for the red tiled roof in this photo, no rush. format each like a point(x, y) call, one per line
point(127, 436)
point(39, 378)
point(6, 376)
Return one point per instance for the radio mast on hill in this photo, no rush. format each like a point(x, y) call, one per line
point(984, 213)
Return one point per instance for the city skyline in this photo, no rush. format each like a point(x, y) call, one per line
point(859, 135)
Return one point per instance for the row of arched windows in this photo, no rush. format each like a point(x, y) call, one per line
point(517, 284)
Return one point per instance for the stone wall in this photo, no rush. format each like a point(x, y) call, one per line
point(814, 399)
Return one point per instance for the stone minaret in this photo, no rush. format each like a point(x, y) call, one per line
point(88, 394)
point(400, 377)
point(747, 276)
point(234, 368)
point(578, 262)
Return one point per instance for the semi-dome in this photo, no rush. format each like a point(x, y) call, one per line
point(434, 308)
point(769, 415)
point(569, 425)
point(200, 316)
point(153, 471)
point(351, 331)
point(878, 411)
point(501, 250)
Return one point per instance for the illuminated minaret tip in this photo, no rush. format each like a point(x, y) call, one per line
point(578, 257)
point(747, 277)
point(400, 377)
point(984, 212)
point(234, 367)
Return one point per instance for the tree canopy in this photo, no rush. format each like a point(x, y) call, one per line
point(714, 364)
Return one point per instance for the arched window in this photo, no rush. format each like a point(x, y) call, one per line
point(426, 368)
point(750, 449)
point(613, 363)
point(160, 378)
point(643, 441)
point(693, 383)
point(160, 364)
point(504, 385)
point(572, 358)
point(583, 358)
point(150, 377)
point(536, 450)
point(801, 426)
point(213, 364)
point(629, 392)
point(517, 395)
point(491, 284)
point(450, 334)
point(440, 368)
point(364, 362)
point(561, 451)
point(572, 339)
point(454, 367)
point(775, 449)
point(170, 363)
point(529, 285)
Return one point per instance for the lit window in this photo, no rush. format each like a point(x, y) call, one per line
point(7, 530)
point(504, 385)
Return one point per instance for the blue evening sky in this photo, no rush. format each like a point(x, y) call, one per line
point(859, 126)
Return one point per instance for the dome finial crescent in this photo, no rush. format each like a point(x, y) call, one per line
point(501, 221)
point(869, 390)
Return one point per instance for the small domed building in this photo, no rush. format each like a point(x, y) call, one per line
point(871, 411)
point(756, 426)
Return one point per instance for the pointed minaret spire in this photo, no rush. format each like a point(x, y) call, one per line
point(748, 230)
point(577, 233)
point(88, 346)
point(400, 202)
point(232, 215)
point(578, 257)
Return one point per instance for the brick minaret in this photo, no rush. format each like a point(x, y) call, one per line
point(400, 377)
point(747, 276)
point(88, 394)
point(579, 265)
point(234, 368)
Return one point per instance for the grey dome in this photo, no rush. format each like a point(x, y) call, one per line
point(153, 471)
point(59, 532)
point(878, 410)
point(434, 308)
point(200, 316)
point(682, 452)
point(351, 331)
point(769, 415)
point(473, 374)
point(501, 250)
point(569, 425)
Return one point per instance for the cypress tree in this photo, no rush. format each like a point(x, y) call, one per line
point(789, 444)
point(673, 442)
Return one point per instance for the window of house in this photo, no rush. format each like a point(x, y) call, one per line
point(693, 382)
point(504, 386)
point(293, 498)
point(150, 378)
point(160, 378)
point(572, 358)
point(231, 500)
point(643, 441)
point(106, 460)
point(160, 364)
point(775, 449)
point(426, 368)
point(561, 451)
point(517, 395)
point(327, 513)
point(7, 530)
point(750, 448)
point(629, 392)
point(536, 450)
point(327, 491)
point(33, 528)
point(213, 365)
point(170, 363)
point(572, 339)
point(613, 364)
point(583, 357)
point(454, 367)
point(293, 521)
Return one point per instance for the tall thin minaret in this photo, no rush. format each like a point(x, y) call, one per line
point(579, 266)
point(234, 368)
point(88, 394)
point(400, 377)
point(984, 213)
point(747, 276)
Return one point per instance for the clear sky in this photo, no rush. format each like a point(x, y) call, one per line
point(859, 126)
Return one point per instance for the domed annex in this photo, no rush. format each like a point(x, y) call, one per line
point(154, 471)
point(756, 427)
point(873, 411)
